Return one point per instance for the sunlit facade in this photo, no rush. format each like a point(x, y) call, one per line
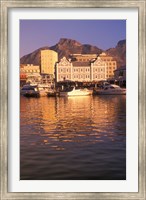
point(48, 60)
point(83, 69)
point(83, 57)
point(111, 64)
point(30, 69)
point(31, 72)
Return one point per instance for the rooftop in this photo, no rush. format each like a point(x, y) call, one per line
point(82, 64)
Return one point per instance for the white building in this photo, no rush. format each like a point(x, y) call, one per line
point(64, 70)
point(82, 71)
point(98, 70)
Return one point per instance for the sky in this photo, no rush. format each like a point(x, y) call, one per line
point(104, 34)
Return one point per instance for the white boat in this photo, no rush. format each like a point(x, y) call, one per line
point(43, 89)
point(76, 92)
point(110, 89)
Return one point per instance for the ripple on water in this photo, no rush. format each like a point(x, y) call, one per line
point(73, 138)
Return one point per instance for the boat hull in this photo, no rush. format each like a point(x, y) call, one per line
point(102, 92)
point(79, 92)
point(33, 93)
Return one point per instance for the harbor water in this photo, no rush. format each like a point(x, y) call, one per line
point(74, 138)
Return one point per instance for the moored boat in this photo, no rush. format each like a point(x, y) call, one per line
point(76, 92)
point(52, 93)
point(30, 91)
point(34, 91)
point(110, 89)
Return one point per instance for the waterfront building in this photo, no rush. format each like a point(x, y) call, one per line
point(47, 79)
point(32, 72)
point(48, 60)
point(82, 71)
point(111, 64)
point(83, 57)
point(85, 68)
point(30, 69)
point(22, 78)
point(63, 70)
point(98, 70)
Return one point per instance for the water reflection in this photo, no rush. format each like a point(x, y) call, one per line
point(78, 129)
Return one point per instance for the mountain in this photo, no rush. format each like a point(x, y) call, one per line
point(119, 53)
point(66, 47)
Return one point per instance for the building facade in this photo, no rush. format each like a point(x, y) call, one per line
point(83, 57)
point(48, 60)
point(111, 64)
point(63, 70)
point(98, 70)
point(31, 72)
point(30, 69)
point(89, 69)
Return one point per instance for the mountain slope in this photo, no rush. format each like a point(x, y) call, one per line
point(119, 53)
point(65, 47)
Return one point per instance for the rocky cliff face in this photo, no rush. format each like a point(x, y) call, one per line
point(119, 53)
point(65, 47)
